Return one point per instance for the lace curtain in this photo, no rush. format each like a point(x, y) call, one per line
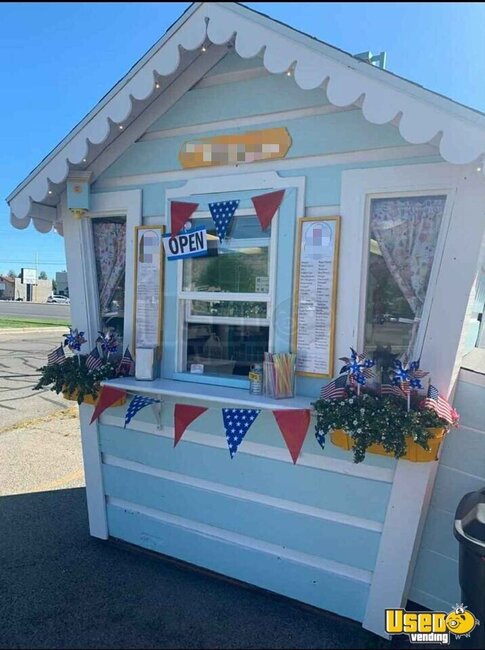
point(406, 229)
point(109, 247)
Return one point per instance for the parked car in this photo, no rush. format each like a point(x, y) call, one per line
point(63, 300)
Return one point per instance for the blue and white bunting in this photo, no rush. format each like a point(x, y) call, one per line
point(236, 424)
point(137, 403)
point(222, 213)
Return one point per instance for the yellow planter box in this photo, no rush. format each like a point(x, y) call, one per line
point(415, 453)
point(89, 399)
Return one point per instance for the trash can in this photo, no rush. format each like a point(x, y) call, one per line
point(469, 530)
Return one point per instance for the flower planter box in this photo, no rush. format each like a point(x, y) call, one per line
point(415, 453)
point(89, 399)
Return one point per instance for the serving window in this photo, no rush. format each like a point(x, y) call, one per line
point(225, 300)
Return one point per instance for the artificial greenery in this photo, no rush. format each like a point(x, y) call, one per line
point(371, 419)
point(73, 377)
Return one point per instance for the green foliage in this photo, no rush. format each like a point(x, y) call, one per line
point(370, 419)
point(42, 275)
point(72, 376)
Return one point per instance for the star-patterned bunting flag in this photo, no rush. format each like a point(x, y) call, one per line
point(136, 404)
point(222, 214)
point(236, 424)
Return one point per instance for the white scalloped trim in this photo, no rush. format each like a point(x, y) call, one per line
point(418, 120)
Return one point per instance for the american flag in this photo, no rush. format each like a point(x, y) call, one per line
point(94, 361)
point(390, 388)
point(335, 389)
point(236, 424)
point(222, 212)
point(438, 404)
point(56, 356)
point(137, 403)
point(126, 367)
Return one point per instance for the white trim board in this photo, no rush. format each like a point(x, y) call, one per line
point(281, 454)
point(253, 120)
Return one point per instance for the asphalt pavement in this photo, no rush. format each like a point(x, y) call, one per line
point(34, 310)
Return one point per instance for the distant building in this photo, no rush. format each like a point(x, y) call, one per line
point(33, 292)
point(62, 288)
point(7, 288)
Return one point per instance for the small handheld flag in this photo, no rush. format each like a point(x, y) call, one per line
point(335, 389)
point(440, 406)
point(56, 356)
point(94, 361)
point(126, 367)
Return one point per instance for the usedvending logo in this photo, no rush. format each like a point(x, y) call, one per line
point(431, 627)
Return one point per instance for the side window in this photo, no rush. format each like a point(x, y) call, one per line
point(225, 301)
point(403, 236)
point(109, 236)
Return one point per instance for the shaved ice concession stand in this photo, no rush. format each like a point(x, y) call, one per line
point(273, 250)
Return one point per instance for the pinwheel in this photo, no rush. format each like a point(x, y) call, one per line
point(108, 341)
point(407, 378)
point(74, 340)
point(358, 368)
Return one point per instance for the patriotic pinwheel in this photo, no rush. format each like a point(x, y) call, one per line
point(74, 340)
point(109, 342)
point(357, 367)
point(407, 378)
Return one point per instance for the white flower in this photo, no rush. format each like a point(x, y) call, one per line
point(351, 400)
point(355, 422)
point(359, 430)
point(362, 411)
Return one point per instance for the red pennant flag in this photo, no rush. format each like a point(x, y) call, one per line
point(184, 414)
point(107, 398)
point(293, 425)
point(180, 213)
point(266, 206)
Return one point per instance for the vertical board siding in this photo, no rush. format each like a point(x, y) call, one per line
point(258, 566)
point(461, 470)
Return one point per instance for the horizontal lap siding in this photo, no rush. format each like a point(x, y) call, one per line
point(461, 470)
point(351, 495)
point(262, 567)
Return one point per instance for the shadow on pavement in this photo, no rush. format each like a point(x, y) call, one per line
point(60, 588)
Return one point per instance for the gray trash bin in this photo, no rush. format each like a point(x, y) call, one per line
point(469, 530)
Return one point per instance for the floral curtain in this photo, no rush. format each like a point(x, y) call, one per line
point(109, 247)
point(406, 229)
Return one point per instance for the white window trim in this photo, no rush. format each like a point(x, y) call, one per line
point(230, 184)
point(358, 188)
point(115, 204)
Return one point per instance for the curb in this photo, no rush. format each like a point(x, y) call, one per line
point(22, 330)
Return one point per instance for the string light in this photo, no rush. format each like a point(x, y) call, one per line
point(49, 192)
point(84, 160)
point(204, 49)
point(121, 127)
point(157, 85)
point(289, 73)
point(479, 169)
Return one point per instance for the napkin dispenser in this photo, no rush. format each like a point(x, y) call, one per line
point(146, 364)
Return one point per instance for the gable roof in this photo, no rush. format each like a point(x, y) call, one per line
point(420, 115)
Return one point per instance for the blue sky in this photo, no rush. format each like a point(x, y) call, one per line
point(58, 60)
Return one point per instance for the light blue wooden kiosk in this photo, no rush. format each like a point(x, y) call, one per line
point(363, 143)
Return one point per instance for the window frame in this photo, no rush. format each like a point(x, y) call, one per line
point(357, 189)
point(418, 344)
point(207, 183)
point(184, 299)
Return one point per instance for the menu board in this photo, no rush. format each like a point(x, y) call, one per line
point(148, 286)
point(315, 294)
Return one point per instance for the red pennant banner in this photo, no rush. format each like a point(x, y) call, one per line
point(266, 206)
point(180, 213)
point(107, 398)
point(183, 416)
point(293, 425)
